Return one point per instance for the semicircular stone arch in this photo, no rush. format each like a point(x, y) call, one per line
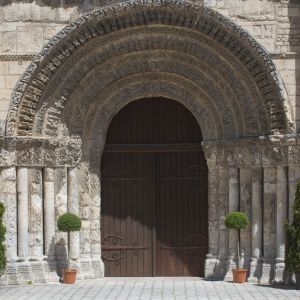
point(178, 50)
point(234, 71)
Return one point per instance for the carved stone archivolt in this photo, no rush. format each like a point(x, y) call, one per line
point(235, 81)
point(65, 101)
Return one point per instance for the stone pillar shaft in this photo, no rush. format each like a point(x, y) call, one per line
point(269, 221)
point(22, 190)
point(270, 190)
point(281, 216)
point(213, 177)
point(257, 209)
point(36, 230)
point(49, 212)
point(256, 224)
point(73, 207)
point(213, 247)
point(234, 195)
point(9, 198)
point(245, 206)
point(223, 210)
point(281, 209)
point(233, 205)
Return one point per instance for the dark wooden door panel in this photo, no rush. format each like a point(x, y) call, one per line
point(181, 214)
point(154, 192)
point(127, 187)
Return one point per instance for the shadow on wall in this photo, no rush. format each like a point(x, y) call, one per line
point(294, 41)
point(61, 256)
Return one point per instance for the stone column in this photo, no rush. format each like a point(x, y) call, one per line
point(9, 198)
point(269, 219)
point(61, 207)
point(36, 244)
point(22, 190)
point(95, 230)
point(73, 207)
point(281, 216)
point(222, 210)
point(49, 213)
point(245, 206)
point(213, 247)
point(256, 225)
point(234, 195)
point(293, 178)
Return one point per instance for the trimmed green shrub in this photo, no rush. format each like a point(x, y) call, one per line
point(69, 222)
point(292, 252)
point(66, 223)
point(237, 220)
point(2, 238)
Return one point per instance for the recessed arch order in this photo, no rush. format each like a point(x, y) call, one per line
point(177, 49)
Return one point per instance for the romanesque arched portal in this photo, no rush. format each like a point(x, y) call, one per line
point(64, 102)
point(154, 192)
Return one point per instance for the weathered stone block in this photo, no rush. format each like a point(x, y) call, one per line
point(49, 32)
point(17, 67)
point(11, 80)
point(8, 42)
point(3, 67)
point(29, 39)
point(2, 82)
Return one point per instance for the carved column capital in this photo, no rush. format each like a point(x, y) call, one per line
point(40, 152)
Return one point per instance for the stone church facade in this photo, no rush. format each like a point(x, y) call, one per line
point(68, 67)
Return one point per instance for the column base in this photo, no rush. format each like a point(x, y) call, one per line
point(3, 280)
point(29, 271)
point(98, 267)
point(267, 275)
point(44, 270)
point(279, 274)
point(24, 274)
point(215, 267)
point(231, 265)
point(51, 269)
point(255, 273)
point(88, 268)
point(211, 263)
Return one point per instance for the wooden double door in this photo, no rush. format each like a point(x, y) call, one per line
point(154, 195)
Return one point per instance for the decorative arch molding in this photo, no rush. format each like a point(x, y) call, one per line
point(190, 21)
point(64, 102)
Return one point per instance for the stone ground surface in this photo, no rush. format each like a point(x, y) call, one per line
point(147, 288)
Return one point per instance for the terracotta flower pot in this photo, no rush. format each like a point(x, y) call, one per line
point(239, 275)
point(69, 276)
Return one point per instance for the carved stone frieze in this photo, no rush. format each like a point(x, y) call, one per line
point(253, 152)
point(39, 152)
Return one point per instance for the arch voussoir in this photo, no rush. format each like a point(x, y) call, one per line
point(104, 22)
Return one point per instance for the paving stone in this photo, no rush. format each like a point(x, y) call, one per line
point(148, 288)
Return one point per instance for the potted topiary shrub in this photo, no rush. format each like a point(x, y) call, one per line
point(66, 223)
point(292, 251)
point(237, 220)
point(2, 238)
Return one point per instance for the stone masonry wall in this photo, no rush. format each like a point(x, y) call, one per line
point(26, 26)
